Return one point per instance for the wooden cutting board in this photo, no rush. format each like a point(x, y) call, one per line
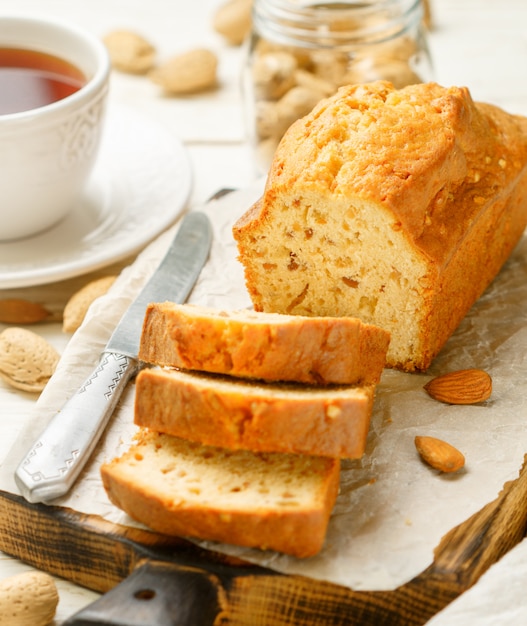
point(152, 580)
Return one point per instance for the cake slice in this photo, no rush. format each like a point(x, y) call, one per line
point(279, 502)
point(273, 347)
point(270, 417)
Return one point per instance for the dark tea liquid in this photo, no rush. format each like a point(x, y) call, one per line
point(30, 79)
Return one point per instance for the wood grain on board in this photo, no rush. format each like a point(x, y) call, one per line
point(99, 555)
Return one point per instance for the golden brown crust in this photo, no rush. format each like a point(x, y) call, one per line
point(248, 345)
point(434, 182)
point(268, 418)
point(140, 492)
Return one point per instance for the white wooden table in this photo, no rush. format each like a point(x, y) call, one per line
point(478, 43)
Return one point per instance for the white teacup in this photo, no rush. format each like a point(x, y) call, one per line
point(47, 153)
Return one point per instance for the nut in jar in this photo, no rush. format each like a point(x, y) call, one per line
point(301, 51)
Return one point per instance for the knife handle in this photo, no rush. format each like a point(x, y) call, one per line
point(54, 462)
point(158, 594)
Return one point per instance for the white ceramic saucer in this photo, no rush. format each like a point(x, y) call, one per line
point(140, 185)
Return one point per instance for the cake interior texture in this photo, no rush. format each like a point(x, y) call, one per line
point(269, 501)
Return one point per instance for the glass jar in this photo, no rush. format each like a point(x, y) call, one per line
point(301, 51)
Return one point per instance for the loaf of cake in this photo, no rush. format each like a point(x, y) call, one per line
point(397, 207)
point(268, 417)
point(269, 501)
point(320, 350)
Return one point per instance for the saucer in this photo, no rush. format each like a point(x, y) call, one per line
point(139, 186)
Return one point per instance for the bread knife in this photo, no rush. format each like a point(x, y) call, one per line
point(57, 457)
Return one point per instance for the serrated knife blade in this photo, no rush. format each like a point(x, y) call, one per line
point(55, 460)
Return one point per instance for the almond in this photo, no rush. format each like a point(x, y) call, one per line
point(439, 454)
point(20, 311)
point(79, 303)
point(468, 386)
point(27, 360)
point(28, 598)
point(130, 52)
point(233, 20)
point(190, 72)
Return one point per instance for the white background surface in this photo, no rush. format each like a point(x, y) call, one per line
point(478, 43)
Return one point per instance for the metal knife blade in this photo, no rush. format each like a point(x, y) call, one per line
point(57, 457)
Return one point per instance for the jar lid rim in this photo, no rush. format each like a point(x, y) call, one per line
point(307, 22)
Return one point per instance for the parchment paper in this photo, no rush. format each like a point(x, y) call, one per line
point(392, 510)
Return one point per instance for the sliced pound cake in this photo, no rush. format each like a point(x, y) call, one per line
point(269, 501)
point(236, 413)
point(273, 347)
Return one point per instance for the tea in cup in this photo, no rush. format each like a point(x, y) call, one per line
point(54, 81)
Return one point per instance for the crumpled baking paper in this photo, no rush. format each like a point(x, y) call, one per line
point(392, 510)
